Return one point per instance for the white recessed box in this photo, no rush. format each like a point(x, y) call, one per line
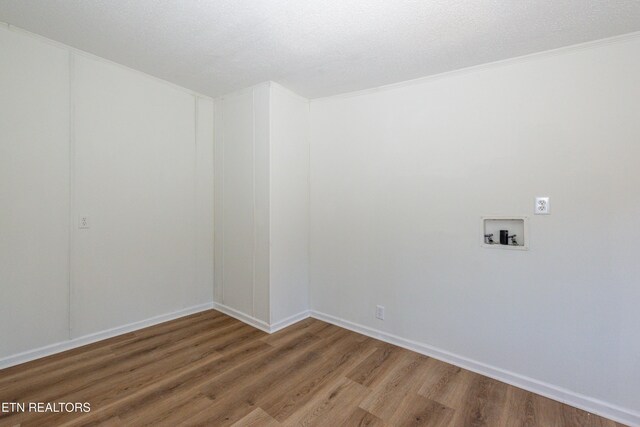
point(516, 226)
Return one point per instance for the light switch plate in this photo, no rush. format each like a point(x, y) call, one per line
point(542, 206)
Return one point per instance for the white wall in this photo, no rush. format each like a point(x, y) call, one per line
point(204, 197)
point(34, 193)
point(289, 197)
point(401, 176)
point(262, 198)
point(136, 156)
point(242, 221)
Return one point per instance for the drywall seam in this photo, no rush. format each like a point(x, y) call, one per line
point(222, 217)
point(196, 217)
point(268, 207)
point(594, 44)
point(213, 196)
point(72, 193)
point(551, 391)
point(309, 206)
point(253, 199)
point(29, 355)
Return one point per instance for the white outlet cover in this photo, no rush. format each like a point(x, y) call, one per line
point(83, 222)
point(542, 206)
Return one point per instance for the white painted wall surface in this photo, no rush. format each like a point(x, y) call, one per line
point(401, 176)
point(261, 198)
point(136, 155)
point(262, 202)
point(204, 232)
point(289, 200)
point(135, 179)
point(241, 141)
point(34, 193)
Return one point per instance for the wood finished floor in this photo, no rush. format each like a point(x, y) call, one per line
point(210, 369)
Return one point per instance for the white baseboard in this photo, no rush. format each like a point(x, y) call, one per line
point(48, 350)
point(250, 320)
point(551, 391)
point(59, 347)
point(281, 324)
point(261, 324)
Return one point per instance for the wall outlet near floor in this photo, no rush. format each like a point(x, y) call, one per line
point(380, 312)
point(83, 223)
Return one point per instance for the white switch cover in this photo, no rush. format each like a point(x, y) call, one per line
point(380, 312)
point(83, 223)
point(543, 206)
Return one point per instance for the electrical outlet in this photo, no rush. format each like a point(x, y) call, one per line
point(380, 312)
point(542, 206)
point(84, 222)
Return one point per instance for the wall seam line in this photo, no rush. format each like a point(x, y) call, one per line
point(253, 187)
point(72, 153)
point(195, 191)
point(308, 131)
point(269, 225)
point(222, 217)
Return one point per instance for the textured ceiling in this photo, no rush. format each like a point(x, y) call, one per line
point(315, 47)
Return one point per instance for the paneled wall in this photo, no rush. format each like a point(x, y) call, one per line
point(242, 215)
point(83, 137)
point(262, 202)
point(34, 193)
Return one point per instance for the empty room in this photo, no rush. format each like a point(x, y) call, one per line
point(320, 213)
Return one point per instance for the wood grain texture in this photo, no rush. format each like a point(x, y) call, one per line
point(210, 369)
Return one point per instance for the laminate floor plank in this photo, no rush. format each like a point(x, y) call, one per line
point(519, 409)
point(302, 388)
point(119, 360)
point(256, 418)
point(483, 402)
point(139, 371)
point(447, 384)
point(219, 389)
point(401, 382)
point(415, 410)
point(331, 406)
point(212, 370)
point(371, 371)
point(230, 402)
point(178, 386)
point(89, 352)
point(361, 418)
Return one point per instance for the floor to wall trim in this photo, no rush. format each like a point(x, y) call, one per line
point(281, 324)
point(261, 324)
point(98, 336)
point(551, 391)
point(250, 320)
point(59, 347)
